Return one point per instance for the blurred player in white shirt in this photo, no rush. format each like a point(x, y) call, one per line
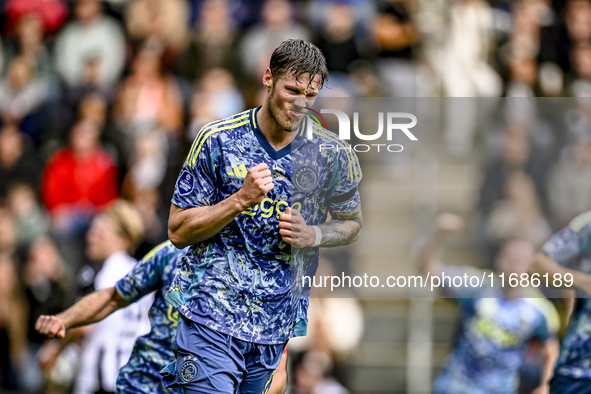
point(113, 235)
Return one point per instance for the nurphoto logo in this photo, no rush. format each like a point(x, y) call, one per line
point(392, 121)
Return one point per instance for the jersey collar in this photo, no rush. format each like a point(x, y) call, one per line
point(275, 154)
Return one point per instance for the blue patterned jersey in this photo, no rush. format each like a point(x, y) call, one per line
point(571, 247)
point(239, 282)
point(152, 352)
point(493, 338)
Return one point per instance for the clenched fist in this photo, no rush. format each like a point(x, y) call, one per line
point(294, 230)
point(257, 183)
point(51, 326)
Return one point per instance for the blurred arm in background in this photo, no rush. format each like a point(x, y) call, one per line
point(90, 309)
point(550, 350)
point(430, 258)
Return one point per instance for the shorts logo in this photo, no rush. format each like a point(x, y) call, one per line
point(185, 183)
point(189, 371)
point(305, 178)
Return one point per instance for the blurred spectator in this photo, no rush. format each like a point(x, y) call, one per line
point(51, 13)
point(559, 39)
point(28, 42)
point(522, 115)
point(337, 37)
point(463, 60)
point(94, 107)
point(277, 24)
point(142, 185)
point(165, 21)
point(581, 60)
point(8, 235)
point(148, 98)
point(216, 97)
point(79, 180)
point(578, 117)
point(213, 43)
point(148, 164)
point(21, 93)
point(523, 74)
point(578, 22)
point(364, 80)
point(396, 36)
point(569, 183)
point(91, 48)
point(518, 215)
point(31, 219)
point(13, 312)
point(462, 64)
point(517, 156)
point(48, 288)
point(18, 162)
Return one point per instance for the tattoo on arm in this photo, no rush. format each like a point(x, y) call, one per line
point(342, 229)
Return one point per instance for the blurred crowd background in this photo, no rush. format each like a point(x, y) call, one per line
point(101, 100)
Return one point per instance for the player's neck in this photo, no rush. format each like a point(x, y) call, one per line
point(275, 135)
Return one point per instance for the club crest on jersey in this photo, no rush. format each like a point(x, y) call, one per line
point(306, 178)
point(189, 371)
point(185, 183)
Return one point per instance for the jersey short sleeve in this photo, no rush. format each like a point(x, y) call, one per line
point(195, 185)
point(144, 278)
point(345, 194)
point(567, 245)
point(549, 322)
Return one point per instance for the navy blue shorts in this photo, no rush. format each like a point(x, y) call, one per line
point(210, 362)
point(565, 385)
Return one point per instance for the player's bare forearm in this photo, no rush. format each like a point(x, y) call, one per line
point(193, 225)
point(543, 264)
point(342, 229)
point(550, 352)
point(90, 309)
point(430, 257)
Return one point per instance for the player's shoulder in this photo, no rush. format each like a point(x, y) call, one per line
point(163, 253)
point(544, 308)
point(581, 222)
point(230, 126)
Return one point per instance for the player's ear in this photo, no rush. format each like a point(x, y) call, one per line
point(268, 79)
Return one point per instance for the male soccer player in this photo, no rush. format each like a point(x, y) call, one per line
point(497, 324)
point(569, 252)
point(153, 351)
point(252, 185)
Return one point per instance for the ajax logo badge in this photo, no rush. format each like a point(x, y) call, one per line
point(306, 178)
point(189, 370)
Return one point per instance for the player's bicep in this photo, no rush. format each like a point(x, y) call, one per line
point(196, 185)
point(344, 194)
